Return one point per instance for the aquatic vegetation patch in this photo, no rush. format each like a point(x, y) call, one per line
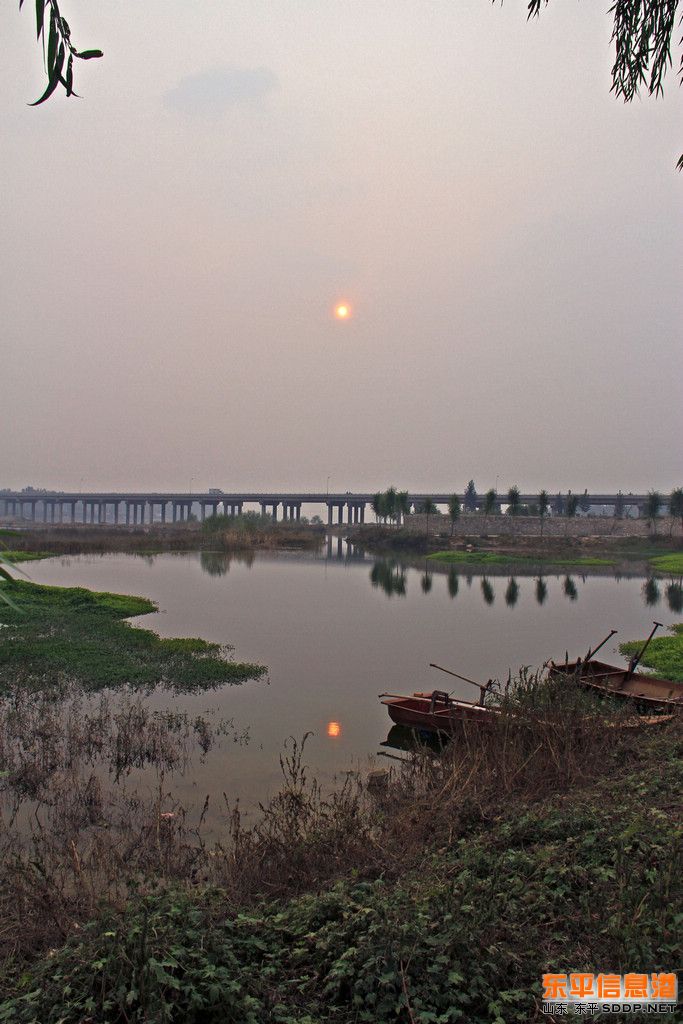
point(26, 556)
point(672, 563)
point(495, 558)
point(54, 635)
point(664, 654)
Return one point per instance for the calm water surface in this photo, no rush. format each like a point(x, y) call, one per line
point(335, 631)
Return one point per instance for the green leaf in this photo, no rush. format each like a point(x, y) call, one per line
point(52, 44)
point(54, 80)
point(40, 17)
point(90, 54)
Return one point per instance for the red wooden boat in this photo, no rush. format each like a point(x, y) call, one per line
point(437, 712)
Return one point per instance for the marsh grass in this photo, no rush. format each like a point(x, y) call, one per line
point(671, 563)
point(68, 767)
point(445, 892)
point(86, 806)
point(495, 558)
point(54, 636)
point(664, 655)
point(26, 556)
point(222, 533)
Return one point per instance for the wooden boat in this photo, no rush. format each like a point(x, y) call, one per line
point(647, 692)
point(622, 683)
point(437, 712)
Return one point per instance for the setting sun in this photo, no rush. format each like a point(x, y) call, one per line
point(342, 311)
point(333, 729)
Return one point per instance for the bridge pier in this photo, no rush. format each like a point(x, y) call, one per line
point(291, 510)
point(356, 512)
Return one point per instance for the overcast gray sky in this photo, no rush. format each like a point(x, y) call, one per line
point(505, 231)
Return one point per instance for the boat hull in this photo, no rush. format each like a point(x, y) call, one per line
point(418, 713)
point(612, 681)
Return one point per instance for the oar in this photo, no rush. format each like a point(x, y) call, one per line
point(483, 689)
point(402, 696)
point(591, 654)
point(634, 661)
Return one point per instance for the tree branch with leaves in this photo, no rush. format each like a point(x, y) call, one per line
point(59, 53)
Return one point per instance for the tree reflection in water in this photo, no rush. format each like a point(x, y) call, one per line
point(674, 596)
point(215, 563)
point(512, 593)
point(651, 593)
point(389, 576)
point(569, 588)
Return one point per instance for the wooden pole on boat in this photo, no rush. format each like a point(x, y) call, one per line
point(422, 696)
point(591, 654)
point(483, 689)
point(634, 661)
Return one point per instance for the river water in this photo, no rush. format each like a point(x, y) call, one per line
point(336, 629)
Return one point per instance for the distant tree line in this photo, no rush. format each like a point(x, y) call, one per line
point(392, 506)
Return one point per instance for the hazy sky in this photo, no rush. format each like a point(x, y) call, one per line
point(507, 233)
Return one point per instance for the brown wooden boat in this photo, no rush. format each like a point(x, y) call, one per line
point(437, 712)
point(646, 692)
point(621, 683)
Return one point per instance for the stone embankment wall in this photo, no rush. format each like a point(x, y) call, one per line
point(477, 525)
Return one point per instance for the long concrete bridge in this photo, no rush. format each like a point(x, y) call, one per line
point(171, 506)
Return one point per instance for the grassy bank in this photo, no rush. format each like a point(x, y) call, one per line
point(465, 937)
point(555, 550)
point(547, 845)
point(664, 654)
point(226, 534)
point(54, 635)
point(495, 558)
point(25, 556)
point(672, 563)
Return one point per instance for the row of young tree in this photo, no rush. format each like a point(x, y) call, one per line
point(393, 506)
